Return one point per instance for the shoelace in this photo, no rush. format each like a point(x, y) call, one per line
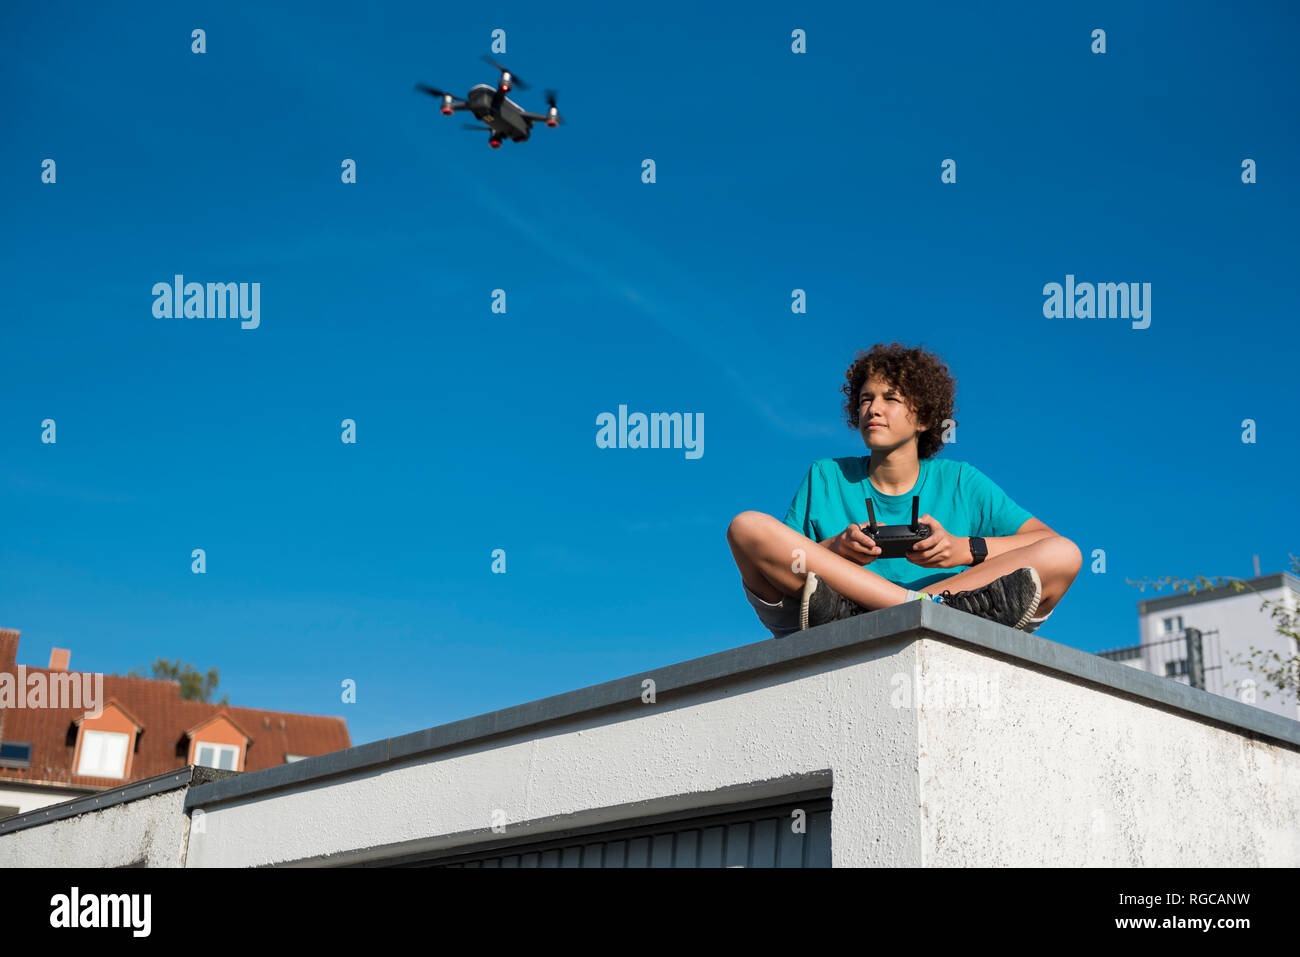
point(981, 599)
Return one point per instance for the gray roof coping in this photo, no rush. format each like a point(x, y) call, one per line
point(1183, 599)
point(147, 787)
point(898, 624)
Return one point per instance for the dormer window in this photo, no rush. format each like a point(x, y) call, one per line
point(103, 754)
point(106, 740)
point(210, 755)
point(218, 742)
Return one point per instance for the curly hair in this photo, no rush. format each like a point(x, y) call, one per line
point(922, 378)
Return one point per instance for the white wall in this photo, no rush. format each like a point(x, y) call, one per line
point(1061, 773)
point(150, 830)
point(754, 738)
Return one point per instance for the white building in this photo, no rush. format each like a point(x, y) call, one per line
point(1230, 622)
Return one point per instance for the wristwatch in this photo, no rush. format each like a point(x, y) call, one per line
point(978, 550)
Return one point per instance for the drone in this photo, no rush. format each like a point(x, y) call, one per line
point(503, 116)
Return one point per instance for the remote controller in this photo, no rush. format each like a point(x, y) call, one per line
point(895, 540)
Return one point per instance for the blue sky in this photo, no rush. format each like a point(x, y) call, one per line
point(476, 430)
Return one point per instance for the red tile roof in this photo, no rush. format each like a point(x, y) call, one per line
point(162, 746)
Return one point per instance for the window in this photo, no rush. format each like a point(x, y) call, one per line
point(223, 756)
point(1173, 625)
point(15, 754)
point(1174, 669)
point(103, 754)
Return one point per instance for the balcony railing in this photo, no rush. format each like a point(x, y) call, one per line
point(1191, 657)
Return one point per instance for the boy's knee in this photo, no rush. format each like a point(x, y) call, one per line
point(744, 528)
point(1069, 554)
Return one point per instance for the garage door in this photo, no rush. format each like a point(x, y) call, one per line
point(794, 832)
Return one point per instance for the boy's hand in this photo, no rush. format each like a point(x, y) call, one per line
point(940, 550)
point(855, 545)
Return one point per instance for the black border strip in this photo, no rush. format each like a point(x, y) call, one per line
point(159, 784)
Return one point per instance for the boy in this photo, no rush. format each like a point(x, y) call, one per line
point(810, 569)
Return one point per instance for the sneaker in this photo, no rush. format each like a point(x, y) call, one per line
point(1010, 600)
point(821, 603)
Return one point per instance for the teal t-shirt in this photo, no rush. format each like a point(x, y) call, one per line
point(833, 495)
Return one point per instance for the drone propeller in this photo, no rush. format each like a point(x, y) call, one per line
point(514, 79)
point(432, 91)
point(550, 101)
